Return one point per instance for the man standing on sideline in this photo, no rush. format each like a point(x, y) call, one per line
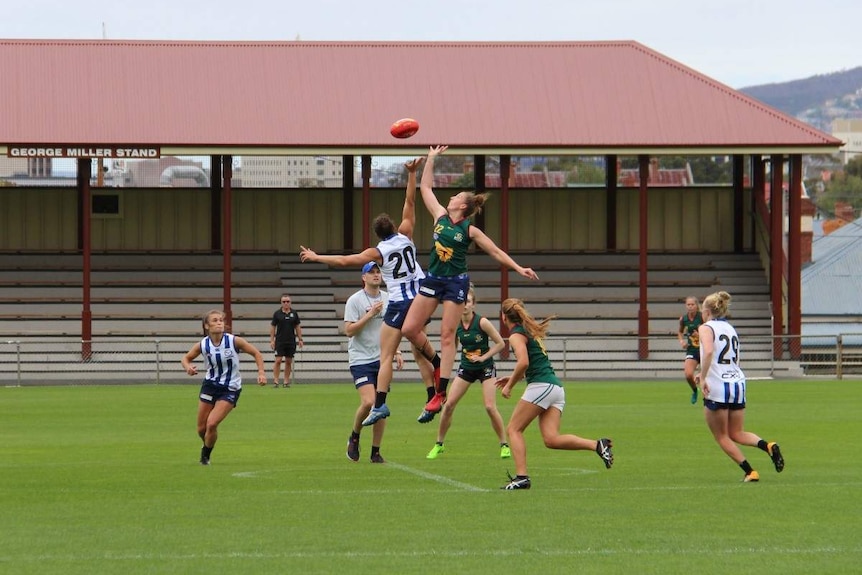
point(363, 317)
point(285, 334)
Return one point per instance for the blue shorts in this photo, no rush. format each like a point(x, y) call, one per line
point(365, 374)
point(396, 313)
point(446, 288)
point(211, 393)
point(716, 406)
point(480, 374)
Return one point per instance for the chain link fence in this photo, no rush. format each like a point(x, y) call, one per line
point(65, 361)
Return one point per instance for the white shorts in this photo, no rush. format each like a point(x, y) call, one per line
point(545, 395)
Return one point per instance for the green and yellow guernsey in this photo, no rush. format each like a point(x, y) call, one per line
point(474, 342)
point(539, 368)
point(688, 327)
point(451, 240)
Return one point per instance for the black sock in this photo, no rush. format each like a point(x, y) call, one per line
point(430, 392)
point(746, 467)
point(206, 451)
point(440, 443)
point(435, 361)
point(444, 383)
point(375, 449)
point(504, 444)
point(380, 398)
point(354, 435)
point(763, 445)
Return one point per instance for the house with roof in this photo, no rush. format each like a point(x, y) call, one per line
point(831, 298)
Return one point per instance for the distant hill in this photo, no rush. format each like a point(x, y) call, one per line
point(796, 96)
point(816, 100)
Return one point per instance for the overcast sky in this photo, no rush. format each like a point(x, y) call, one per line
point(737, 42)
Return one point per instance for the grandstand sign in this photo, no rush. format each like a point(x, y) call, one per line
point(83, 151)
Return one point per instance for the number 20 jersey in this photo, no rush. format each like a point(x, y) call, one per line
point(400, 270)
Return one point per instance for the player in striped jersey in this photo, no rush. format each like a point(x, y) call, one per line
point(222, 383)
point(395, 255)
point(722, 383)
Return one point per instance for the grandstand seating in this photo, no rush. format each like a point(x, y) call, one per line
point(594, 296)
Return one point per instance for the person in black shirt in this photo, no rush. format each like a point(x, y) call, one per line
point(285, 334)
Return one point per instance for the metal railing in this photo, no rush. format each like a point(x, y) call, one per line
point(63, 360)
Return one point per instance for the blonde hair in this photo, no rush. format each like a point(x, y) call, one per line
point(474, 203)
point(515, 312)
point(717, 303)
point(205, 320)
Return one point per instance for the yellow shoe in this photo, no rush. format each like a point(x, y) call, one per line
point(435, 451)
point(751, 477)
point(505, 452)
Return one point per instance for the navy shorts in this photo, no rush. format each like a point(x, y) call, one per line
point(716, 405)
point(471, 375)
point(396, 313)
point(446, 289)
point(211, 393)
point(365, 374)
point(285, 349)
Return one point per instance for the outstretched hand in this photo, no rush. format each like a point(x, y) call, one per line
point(436, 150)
point(413, 164)
point(307, 254)
point(528, 273)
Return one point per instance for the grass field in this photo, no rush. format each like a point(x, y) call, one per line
point(105, 479)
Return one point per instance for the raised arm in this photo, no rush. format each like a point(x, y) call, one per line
point(427, 183)
point(358, 260)
point(408, 212)
point(489, 247)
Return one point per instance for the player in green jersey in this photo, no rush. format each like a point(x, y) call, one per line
point(477, 364)
point(690, 341)
point(544, 397)
point(447, 281)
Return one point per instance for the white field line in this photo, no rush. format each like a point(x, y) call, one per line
point(442, 552)
point(438, 478)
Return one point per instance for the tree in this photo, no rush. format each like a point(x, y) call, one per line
point(843, 187)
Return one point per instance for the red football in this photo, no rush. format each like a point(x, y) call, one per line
point(404, 128)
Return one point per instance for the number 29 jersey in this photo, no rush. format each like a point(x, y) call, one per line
point(726, 379)
point(400, 270)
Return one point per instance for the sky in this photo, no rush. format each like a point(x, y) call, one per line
point(737, 42)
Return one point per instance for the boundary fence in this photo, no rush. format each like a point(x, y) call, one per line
point(70, 361)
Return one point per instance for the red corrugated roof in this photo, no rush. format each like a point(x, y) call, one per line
point(345, 95)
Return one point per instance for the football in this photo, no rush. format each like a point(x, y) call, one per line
point(404, 128)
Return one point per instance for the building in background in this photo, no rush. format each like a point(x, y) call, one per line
point(291, 171)
point(850, 132)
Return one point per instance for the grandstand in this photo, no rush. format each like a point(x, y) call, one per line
point(137, 298)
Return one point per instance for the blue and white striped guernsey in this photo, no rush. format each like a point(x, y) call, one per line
point(401, 272)
point(222, 362)
point(725, 379)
